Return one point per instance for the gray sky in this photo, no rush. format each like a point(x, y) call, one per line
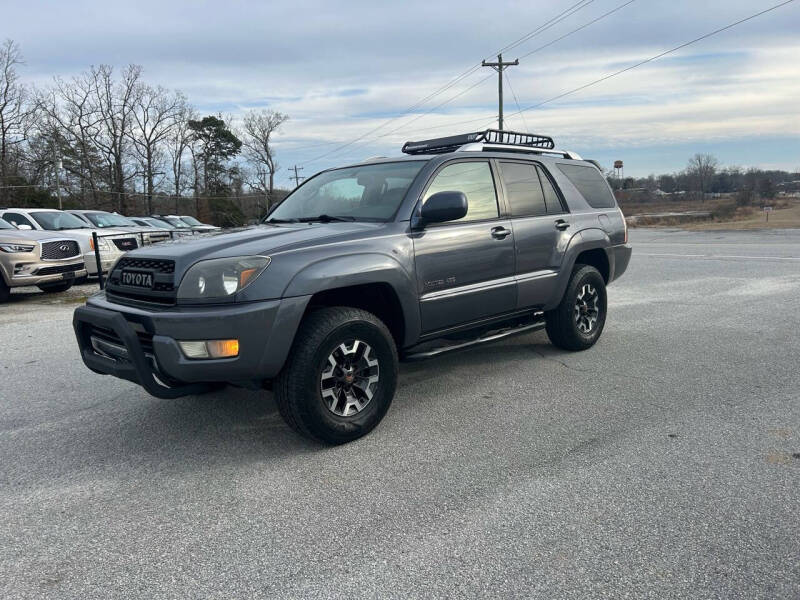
point(341, 69)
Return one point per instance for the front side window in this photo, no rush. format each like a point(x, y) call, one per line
point(591, 184)
point(475, 180)
point(523, 189)
point(17, 220)
point(6, 225)
point(361, 193)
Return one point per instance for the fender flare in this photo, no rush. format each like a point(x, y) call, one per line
point(361, 269)
point(585, 239)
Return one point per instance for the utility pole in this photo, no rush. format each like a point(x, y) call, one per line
point(296, 177)
point(500, 66)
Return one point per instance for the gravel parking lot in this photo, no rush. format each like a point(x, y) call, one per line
point(664, 462)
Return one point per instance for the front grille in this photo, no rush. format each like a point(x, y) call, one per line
point(158, 237)
point(157, 265)
point(59, 250)
point(110, 336)
point(125, 244)
point(59, 269)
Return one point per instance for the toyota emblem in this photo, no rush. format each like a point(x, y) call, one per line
point(64, 247)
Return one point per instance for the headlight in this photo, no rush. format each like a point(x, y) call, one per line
point(16, 248)
point(102, 243)
point(220, 277)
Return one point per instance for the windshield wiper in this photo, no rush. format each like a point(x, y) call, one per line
point(273, 220)
point(326, 219)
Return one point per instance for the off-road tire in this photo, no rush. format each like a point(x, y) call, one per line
point(54, 288)
point(562, 324)
point(5, 292)
point(297, 387)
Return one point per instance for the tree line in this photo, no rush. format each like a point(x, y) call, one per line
point(704, 175)
point(108, 139)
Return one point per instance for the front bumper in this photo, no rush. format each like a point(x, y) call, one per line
point(140, 345)
point(107, 260)
point(62, 272)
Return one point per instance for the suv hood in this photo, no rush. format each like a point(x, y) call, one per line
point(258, 240)
point(7, 235)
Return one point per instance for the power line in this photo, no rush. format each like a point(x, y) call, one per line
point(516, 101)
point(657, 56)
point(621, 71)
point(540, 29)
point(553, 21)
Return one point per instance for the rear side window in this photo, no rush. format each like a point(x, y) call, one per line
point(475, 180)
point(554, 206)
point(523, 189)
point(591, 184)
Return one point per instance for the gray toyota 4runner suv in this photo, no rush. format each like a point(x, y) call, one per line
point(464, 240)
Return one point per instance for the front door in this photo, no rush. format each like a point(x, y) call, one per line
point(465, 268)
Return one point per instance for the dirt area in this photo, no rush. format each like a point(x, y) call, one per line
point(724, 214)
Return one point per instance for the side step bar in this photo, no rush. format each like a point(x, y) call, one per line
point(487, 337)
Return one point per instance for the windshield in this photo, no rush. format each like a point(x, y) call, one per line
point(155, 223)
point(6, 225)
point(191, 221)
point(103, 219)
point(363, 193)
point(56, 220)
point(175, 222)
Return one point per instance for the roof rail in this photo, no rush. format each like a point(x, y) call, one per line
point(481, 147)
point(489, 136)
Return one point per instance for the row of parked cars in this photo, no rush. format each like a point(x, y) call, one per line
point(53, 249)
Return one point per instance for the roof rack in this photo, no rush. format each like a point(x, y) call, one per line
point(489, 136)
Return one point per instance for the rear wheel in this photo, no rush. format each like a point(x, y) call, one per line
point(340, 376)
point(577, 322)
point(53, 288)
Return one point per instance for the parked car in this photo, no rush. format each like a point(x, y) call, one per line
point(183, 222)
point(49, 261)
point(113, 244)
point(197, 225)
point(161, 224)
point(465, 240)
point(106, 220)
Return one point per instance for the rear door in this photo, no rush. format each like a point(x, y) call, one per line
point(541, 229)
point(465, 268)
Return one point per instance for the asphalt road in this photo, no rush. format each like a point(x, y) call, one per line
point(663, 463)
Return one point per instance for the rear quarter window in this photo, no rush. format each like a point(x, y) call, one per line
point(591, 184)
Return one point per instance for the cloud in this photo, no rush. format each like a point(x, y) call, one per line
point(341, 69)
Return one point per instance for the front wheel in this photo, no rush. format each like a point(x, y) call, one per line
point(340, 376)
point(5, 292)
point(577, 322)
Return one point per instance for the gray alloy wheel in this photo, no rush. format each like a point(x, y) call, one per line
point(350, 378)
point(587, 308)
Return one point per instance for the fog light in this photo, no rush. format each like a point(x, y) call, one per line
point(210, 349)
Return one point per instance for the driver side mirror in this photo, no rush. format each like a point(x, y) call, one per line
point(24, 227)
point(442, 207)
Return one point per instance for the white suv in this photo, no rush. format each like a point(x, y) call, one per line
point(113, 244)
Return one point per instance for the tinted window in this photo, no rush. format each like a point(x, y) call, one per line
point(17, 220)
point(5, 224)
point(523, 189)
point(591, 184)
point(474, 179)
point(550, 196)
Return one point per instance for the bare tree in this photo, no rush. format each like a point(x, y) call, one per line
point(115, 103)
point(701, 170)
point(155, 113)
point(179, 142)
point(259, 127)
point(16, 110)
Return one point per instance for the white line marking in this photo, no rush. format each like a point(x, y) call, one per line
point(712, 256)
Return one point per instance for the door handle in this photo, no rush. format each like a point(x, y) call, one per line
point(500, 233)
point(561, 224)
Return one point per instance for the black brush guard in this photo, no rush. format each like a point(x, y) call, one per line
point(135, 366)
